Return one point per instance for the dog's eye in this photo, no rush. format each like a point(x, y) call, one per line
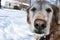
point(33, 9)
point(48, 10)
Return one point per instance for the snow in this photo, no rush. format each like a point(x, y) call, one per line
point(25, 4)
point(3, 2)
point(11, 1)
point(13, 25)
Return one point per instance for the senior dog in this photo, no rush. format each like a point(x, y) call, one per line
point(42, 18)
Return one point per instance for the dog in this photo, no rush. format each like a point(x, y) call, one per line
point(42, 18)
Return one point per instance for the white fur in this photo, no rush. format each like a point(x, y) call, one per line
point(48, 18)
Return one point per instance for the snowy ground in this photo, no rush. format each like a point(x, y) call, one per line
point(13, 25)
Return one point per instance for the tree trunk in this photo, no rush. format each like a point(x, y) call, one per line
point(0, 3)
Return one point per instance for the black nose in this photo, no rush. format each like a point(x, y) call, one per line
point(39, 27)
point(39, 24)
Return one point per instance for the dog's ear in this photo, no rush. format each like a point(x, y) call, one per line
point(56, 13)
point(59, 17)
point(28, 18)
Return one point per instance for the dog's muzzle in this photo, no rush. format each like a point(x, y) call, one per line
point(39, 25)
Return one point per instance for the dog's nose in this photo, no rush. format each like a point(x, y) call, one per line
point(39, 24)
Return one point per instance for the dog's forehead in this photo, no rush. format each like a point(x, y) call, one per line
point(40, 5)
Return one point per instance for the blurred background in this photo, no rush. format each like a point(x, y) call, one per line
point(15, 4)
point(19, 4)
point(56, 2)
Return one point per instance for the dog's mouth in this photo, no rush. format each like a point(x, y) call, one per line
point(39, 25)
point(38, 32)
